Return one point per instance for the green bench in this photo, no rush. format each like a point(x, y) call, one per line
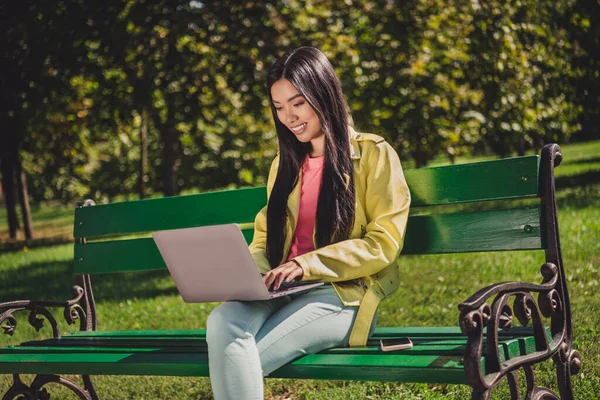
point(481, 351)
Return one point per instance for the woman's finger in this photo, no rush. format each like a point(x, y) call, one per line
point(268, 279)
point(272, 277)
point(283, 272)
point(296, 273)
point(287, 272)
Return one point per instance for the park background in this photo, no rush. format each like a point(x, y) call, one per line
point(121, 100)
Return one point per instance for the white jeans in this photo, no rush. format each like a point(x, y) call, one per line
point(249, 340)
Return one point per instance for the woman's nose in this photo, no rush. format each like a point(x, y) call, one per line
point(290, 116)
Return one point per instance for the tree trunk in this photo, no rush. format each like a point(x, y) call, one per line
point(144, 154)
point(8, 173)
point(24, 199)
point(169, 134)
point(418, 155)
point(11, 137)
point(170, 139)
point(451, 155)
point(521, 146)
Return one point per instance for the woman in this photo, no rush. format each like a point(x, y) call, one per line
point(337, 211)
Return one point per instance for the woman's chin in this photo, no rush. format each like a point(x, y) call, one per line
point(306, 136)
point(303, 139)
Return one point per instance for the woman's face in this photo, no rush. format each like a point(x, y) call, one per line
point(294, 111)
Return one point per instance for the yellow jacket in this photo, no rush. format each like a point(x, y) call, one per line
point(362, 269)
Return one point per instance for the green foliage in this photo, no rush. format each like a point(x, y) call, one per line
point(435, 77)
point(453, 77)
point(521, 59)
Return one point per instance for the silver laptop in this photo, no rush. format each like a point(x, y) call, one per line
point(213, 263)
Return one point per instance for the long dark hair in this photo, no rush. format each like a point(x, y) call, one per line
point(313, 76)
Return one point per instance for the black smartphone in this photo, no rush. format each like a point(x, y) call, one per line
point(395, 344)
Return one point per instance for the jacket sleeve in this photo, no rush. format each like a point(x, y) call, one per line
point(387, 202)
point(258, 247)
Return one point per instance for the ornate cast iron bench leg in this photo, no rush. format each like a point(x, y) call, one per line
point(37, 392)
point(74, 309)
point(80, 307)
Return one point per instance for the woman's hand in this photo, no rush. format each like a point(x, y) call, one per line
point(288, 272)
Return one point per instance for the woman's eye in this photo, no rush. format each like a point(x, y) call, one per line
point(278, 108)
point(298, 104)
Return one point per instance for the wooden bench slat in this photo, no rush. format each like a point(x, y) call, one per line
point(214, 208)
point(509, 347)
point(517, 229)
point(118, 363)
point(448, 371)
point(439, 356)
point(482, 181)
point(507, 178)
point(385, 331)
point(364, 367)
point(453, 347)
point(380, 331)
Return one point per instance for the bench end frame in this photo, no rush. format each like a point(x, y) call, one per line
point(80, 307)
point(552, 302)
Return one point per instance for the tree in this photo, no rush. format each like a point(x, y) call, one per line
point(520, 57)
point(128, 98)
point(402, 65)
point(41, 49)
point(582, 23)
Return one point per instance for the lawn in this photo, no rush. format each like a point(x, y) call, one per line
point(432, 286)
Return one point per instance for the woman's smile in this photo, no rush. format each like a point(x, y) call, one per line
point(298, 129)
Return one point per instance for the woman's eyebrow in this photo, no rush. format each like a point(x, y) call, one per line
point(291, 98)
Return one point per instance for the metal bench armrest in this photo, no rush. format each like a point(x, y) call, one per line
point(549, 272)
point(73, 311)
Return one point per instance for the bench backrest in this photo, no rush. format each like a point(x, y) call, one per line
point(435, 229)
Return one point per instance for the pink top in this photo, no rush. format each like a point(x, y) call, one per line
point(312, 173)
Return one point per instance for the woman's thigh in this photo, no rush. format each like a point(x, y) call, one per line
point(308, 324)
point(234, 319)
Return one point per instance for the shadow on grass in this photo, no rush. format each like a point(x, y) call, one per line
point(53, 281)
point(584, 179)
point(580, 198)
point(18, 245)
point(585, 161)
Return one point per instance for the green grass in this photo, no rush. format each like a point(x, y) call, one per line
point(431, 288)
point(50, 224)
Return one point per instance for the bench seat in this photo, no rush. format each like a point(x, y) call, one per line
point(436, 356)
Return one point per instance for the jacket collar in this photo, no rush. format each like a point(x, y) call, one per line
point(354, 147)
